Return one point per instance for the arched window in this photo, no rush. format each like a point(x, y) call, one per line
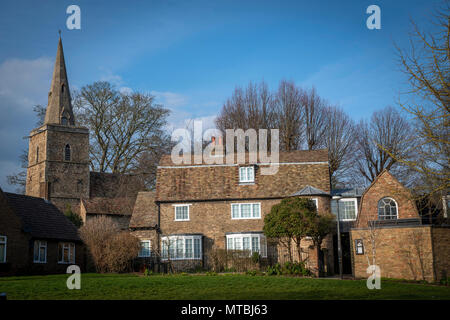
point(62, 88)
point(64, 121)
point(67, 153)
point(387, 209)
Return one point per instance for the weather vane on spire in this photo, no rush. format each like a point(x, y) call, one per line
point(59, 31)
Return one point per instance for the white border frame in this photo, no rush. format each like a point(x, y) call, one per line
point(245, 218)
point(396, 208)
point(259, 235)
point(246, 181)
point(183, 237)
point(182, 205)
point(149, 247)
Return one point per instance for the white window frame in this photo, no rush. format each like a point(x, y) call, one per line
point(356, 207)
point(246, 180)
point(240, 210)
point(4, 240)
point(355, 200)
point(149, 248)
point(183, 238)
point(41, 244)
point(68, 245)
point(316, 202)
point(175, 206)
point(396, 209)
point(239, 238)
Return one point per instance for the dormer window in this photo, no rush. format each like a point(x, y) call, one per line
point(67, 153)
point(247, 174)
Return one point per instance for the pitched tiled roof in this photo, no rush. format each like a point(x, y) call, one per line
point(310, 191)
point(113, 206)
point(284, 157)
point(296, 170)
point(41, 218)
point(114, 185)
point(145, 213)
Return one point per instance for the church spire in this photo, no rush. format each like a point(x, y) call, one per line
point(59, 108)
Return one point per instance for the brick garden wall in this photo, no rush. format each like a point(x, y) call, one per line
point(441, 251)
point(401, 252)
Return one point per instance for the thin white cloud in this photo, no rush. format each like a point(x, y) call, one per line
point(25, 82)
point(170, 99)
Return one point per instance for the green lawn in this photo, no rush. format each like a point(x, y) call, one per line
point(196, 287)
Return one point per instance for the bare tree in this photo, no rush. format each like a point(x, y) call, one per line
point(289, 115)
point(339, 138)
point(386, 128)
point(247, 108)
point(314, 108)
point(124, 127)
point(427, 67)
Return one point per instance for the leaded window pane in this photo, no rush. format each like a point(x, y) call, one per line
point(256, 210)
point(235, 210)
point(246, 210)
point(197, 248)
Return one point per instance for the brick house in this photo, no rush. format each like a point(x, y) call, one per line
point(200, 207)
point(404, 246)
point(35, 237)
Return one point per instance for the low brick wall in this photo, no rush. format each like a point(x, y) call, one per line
point(413, 253)
point(441, 251)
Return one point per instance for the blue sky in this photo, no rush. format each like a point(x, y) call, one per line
point(191, 54)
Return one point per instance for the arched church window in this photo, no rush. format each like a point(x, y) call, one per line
point(67, 153)
point(62, 88)
point(387, 209)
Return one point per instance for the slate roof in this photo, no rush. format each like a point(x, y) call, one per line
point(41, 218)
point(348, 192)
point(310, 191)
point(112, 206)
point(145, 213)
point(199, 182)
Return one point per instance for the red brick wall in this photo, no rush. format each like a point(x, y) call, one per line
point(213, 220)
point(385, 186)
point(441, 251)
point(401, 252)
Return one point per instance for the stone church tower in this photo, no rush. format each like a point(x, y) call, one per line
point(58, 154)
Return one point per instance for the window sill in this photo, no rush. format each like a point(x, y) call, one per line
point(247, 218)
point(246, 183)
point(40, 262)
point(59, 262)
point(182, 220)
